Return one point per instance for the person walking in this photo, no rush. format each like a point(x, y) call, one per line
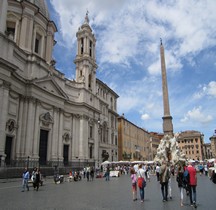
point(88, 172)
point(107, 173)
point(92, 173)
point(134, 183)
point(157, 172)
point(192, 184)
point(164, 178)
point(33, 177)
point(141, 176)
point(179, 179)
point(37, 179)
point(25, 180)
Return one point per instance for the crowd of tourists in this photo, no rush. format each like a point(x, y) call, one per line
point(186, 178)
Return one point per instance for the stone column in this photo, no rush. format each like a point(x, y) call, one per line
point(55, 135)
point(24, 127)
point(26, 35)
point(85, 45)
point(60, 134)
point(19, 130)
point(96, 144)
point(3, 15)
point(30, 128)
point(49, 43)
point(4, 95)
point(83, 141)
point(36, 132)
point(75, 137)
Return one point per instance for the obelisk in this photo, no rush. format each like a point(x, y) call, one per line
point(167, 118)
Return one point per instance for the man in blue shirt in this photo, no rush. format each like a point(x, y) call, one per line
point(25, 177)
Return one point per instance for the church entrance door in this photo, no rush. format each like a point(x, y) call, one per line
point(43, 147)
point(8, 148)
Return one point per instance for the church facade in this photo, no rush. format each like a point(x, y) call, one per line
point(47, 119)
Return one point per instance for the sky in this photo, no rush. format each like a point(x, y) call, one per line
point(128, 36)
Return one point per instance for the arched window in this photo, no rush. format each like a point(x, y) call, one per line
point(81, 45)
point(90, 81)
point(90, 48)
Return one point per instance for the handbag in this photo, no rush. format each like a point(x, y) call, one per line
point(141, 182)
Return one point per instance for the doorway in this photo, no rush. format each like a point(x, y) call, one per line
point(43, 147)
point(65, 154)
point(8, 149)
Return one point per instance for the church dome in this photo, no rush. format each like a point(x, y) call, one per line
point(41, 4)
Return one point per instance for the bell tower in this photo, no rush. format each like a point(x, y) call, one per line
point(85, 58)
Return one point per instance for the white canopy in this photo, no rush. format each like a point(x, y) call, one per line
point(211, 160)
point(105, 163)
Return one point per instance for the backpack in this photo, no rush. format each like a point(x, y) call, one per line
point(186, 177)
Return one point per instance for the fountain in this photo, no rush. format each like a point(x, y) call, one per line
point(169, 151)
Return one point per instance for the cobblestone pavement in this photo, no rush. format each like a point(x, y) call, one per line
point(101, 195)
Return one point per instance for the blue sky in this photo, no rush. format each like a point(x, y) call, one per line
point(128, 36)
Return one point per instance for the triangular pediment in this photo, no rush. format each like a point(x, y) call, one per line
point(50, 85)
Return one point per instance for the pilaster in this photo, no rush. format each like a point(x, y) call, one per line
point(55, 135)
point(20, 119)
point(3, 15)
point(36, 131)
point(4, 95)
point(30, 127)
point(26, 35)
point(83, 141)
point(60, 134)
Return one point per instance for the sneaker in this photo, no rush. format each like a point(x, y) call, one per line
point(194, 204)
point(142, 201)
point(170, 197)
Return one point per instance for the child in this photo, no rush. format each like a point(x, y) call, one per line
point(134, 183)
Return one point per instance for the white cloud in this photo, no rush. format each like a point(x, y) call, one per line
point(197, 116)
point(127, 28)
point(206, 90)
point(145, 117)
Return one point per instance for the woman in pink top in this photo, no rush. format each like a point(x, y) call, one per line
point(134, 183)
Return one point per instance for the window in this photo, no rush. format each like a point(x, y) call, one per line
point(90, 48)
point(37, 44)
point(90, 80)
point(112, 138)
point(111, 103)
point(82, 45)
point(91, 151)
point(11, 29)
point(91, 132)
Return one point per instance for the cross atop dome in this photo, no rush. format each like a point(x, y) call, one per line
point(86, 17)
